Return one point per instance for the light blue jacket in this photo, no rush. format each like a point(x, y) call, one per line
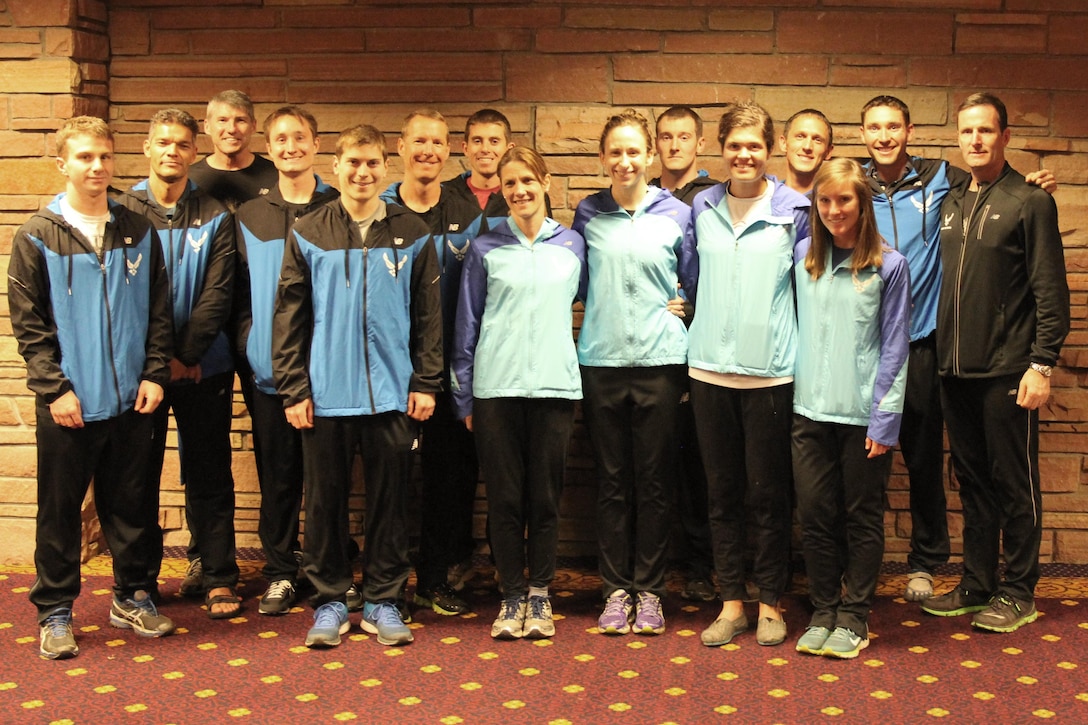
point(853, 345)
point(744, 312)
point(513, 335)
point(633, 273)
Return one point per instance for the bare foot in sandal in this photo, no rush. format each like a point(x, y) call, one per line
point(222, 603)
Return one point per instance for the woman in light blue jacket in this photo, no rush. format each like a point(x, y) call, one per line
point(740, 359)
point(514, 374)
point(853, 308)
point(632, 349)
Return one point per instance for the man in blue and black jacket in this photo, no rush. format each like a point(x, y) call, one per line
point(89, 309)
point(196, 233)
point(357, 359)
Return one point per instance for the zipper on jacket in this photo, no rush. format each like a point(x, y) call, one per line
point(109, 324)
point(366, 343)
point(959, 286)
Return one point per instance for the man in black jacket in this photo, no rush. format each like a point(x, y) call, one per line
point(1002, 316)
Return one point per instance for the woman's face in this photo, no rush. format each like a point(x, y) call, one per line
point(626, 157)
point(745, 154)
point(840, 211)
point(525, 194)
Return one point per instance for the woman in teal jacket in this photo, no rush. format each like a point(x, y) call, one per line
point(853, 310)
point(740, 360)
point(632, 349)
point(514, 374)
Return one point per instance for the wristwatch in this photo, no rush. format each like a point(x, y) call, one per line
point(1044, 370)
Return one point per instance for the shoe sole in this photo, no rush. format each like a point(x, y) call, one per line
point(371, 629)
point(804, 649)
point(539, 632)
point(614, 630)
point(912, 595)
point(120, 623)
point(506, 634)
point(1009, 628)
point(320, 640)
point(849, 655)
point(648, 630)
point(955, 612)
point(279, 611)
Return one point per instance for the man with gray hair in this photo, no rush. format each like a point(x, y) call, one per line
point(233, 174)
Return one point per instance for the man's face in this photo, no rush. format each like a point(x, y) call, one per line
point(87, 163)
point(361, 171)
point(982, 142)
point(886, 134)
point(745, 154)
point(678, 143)
point(172, 149)
point(424, 146)
point(805, 144)
point(291, 145)
point(484, 146)
point(230, 128)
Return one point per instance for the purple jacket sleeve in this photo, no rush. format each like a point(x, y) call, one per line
point(891, 374)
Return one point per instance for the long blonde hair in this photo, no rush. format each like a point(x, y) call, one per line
point(869, 250)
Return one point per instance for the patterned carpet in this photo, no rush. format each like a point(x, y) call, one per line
point(254, 669)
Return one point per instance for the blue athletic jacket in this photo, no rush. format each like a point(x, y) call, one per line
point(633, 262)
point(513, 336)
point(853, 345)
point(357, 323)
point(454, 222)
point(262, 227)
point(198, 247)
point(94, 325)
point(908, 215)
point(740, 283)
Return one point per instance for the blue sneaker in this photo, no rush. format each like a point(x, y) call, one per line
point(57, 640)
point(844, 644)
point(330, 621)
point(140, 615)
point(813, 640)
point(383, 619)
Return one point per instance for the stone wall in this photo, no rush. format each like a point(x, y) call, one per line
point(557, 69)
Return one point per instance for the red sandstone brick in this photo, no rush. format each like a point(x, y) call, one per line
point(757, 3)
point(874, 71)
point(277, 41)
point(1067, 34)
point(634, 18)
point(26, 105)
point(667, 94)
point(1032, 73)
point(170, 43)
point(219, 68)
point(758, 69)
point(129, 33)
point(386, 67)
point(196, 90)
point(915, 4)
point(174, 3)
point(77, 45)
point(704, 42)
point(517, 16)
point(94, 10)
point(1038, 6)
point(1071, 114)
point(41, 13)
point(739, 20)
point(16, 143)
point(225, 19)
point(439, 40)
point(21, 51)
point(356, 17)
point(913, 33)
point(1000, 39)
point(19, 36)
point(557, 79)
point(420, 93)
point(563, 40)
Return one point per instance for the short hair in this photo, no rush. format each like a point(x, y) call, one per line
point(82, 126)
point(890, 102)
point(298, 112)
point(430, 113)
point(174, 117)
point(628, 117)
point(869, 250)
point(234, 99)
point(676, 113)
point(525, 155)
point(986, 99)
point(362, 135)
point(488, 115)
point(819, 115)
point(746, 115)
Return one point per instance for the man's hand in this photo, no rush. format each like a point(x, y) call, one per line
point(1044, 179)
point(1034, 390)
point(181, 371)
point(67, 411)
point(420, 406)
point(301, 415)
point(676, 307)
point(468, 423)
point(148, 397)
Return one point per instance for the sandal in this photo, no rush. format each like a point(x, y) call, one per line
point(211, 600)
point(919, 586)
